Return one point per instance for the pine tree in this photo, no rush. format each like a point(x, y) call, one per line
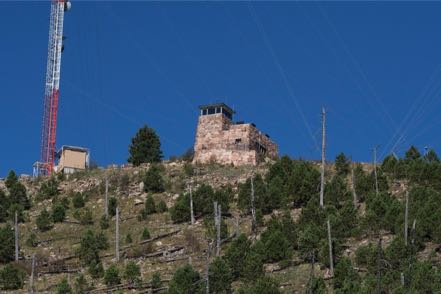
point(145, 147)
point(341, 164)
point(44, 221)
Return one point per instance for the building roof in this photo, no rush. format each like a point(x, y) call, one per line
point(72, 148)
point(221, 104)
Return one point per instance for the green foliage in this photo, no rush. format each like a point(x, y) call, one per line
point(266, 200)
point(336, 192)
point(96, 269)
point(431, 156)
point(316, 286)
point(78, 200)
point(43, 221)
point(210, 228)
point(276, 244)
point(145, 234)
point(31, 241)
point(156, 280)
point(145, 147)
point(185, 280)
point(90, 245)
point(111, 276)
point(188, 169)
point(4, 206)
point(153, 181)
point(161, 207)
point(345, 276)
point(63, 287)
point(81, 286)
point(17, 191)
point(236, 254)
point(6, 244)
point(264, 285)
point(58, 212)
point(11, 278)
point(104, 223)
point(220, 276)
point(412, 154)
point(383, 212)
point(252, 266)
point(150, 206)
point(129, 239)
point(48, 189)
point(132, 273)
point(366, 256)
point(113, 203)
point(341, 164)
point(84, 216)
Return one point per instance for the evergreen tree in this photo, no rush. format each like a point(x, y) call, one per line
point(145, 234)
point(342, 164)
point(4, 206)
point(58, 212)
point(81, 285)
point(44, 221)
point(17, 191)
point(48, 189)
point(145, 147)
point(220, 276)
point(236, 254)
point(132, 273)
point(264, 285)
point(111, 276)
point(156, 280)
point(432, 157)
point(6, 244)
point(113, 203)
point(150, 206)
point(153, 181)
point(11, 278)
point(63, 287)
point(186, 280)
point(78, 200)
point(412, 154)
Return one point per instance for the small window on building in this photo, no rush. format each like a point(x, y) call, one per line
point(211, 110)
point(238, 140)
point(204, 112)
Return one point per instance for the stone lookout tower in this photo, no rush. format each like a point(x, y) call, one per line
point(219, 139)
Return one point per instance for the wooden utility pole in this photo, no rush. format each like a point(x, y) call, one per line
point(379, 266)
point(31, 279)
point(375, 169)
point(331, 259)
point(322, 168)
point(253, 207)
point(354, 192)
point(406, 215)
point(117, 234)
point(191, 206)
point(16, 235)
point(106, 200)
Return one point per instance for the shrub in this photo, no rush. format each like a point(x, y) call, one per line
point(236, 254)
point(185, 280)
point(11, 278)
point(48, 189)
point(145, 234)
point(150, 206)
point(85, 216)
point(113, 203)
point(180, 212)
point(153, 181)
point(31, 241)
point(90, 245)
point(81, 285)
point(6, 244)
point(252, 266)
point(132, 272)
point(78, 200)
point(145, 147)
point(96, 269)
point(156, 280)
point(44, 221)
point(104, 223)
point(211, 228)
point(344, 273)
point(161, 207)
point(188, 169)
point(111, 276)
point(341, 164)
point(58, 212)
point(63, 287)
point(263, 285)
point(129, 239)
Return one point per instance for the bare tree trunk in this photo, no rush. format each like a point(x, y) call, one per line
point(31, 279)
point(413, 231)
point(322, 168)
point(406, 214)
point(354, 192)
point(207, 265)
point(331, 259)
point(16, 235)
point(253, 207)
point(379, 266)
point(218, 230)
point(106, 200)
point(311, 279)
point(117, 234)
point(191, 206)
point(375, 169)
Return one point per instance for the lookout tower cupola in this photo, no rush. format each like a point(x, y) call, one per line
point(216, 108)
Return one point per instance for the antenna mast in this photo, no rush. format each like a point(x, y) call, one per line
point(52, 89)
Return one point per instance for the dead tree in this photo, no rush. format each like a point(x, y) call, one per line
point(217, 225)
point(207, 265)
point(331, 259)
point(406, 214)
point(322, 167)
point(253, 207)
point(354, 192)
point(191, 206)
point(106, 200)
point(16, 235)
point(375, 169)
point(117, 234)
point(413, 231)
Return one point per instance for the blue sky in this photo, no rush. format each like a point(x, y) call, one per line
point(374, 65)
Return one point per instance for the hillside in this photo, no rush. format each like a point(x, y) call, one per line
point(290, 242)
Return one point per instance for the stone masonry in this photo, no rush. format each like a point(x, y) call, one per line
point(219, 139)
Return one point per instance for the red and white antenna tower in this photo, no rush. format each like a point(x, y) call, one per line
point(52, 89)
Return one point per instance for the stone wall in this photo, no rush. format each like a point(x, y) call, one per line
point(219, 140)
